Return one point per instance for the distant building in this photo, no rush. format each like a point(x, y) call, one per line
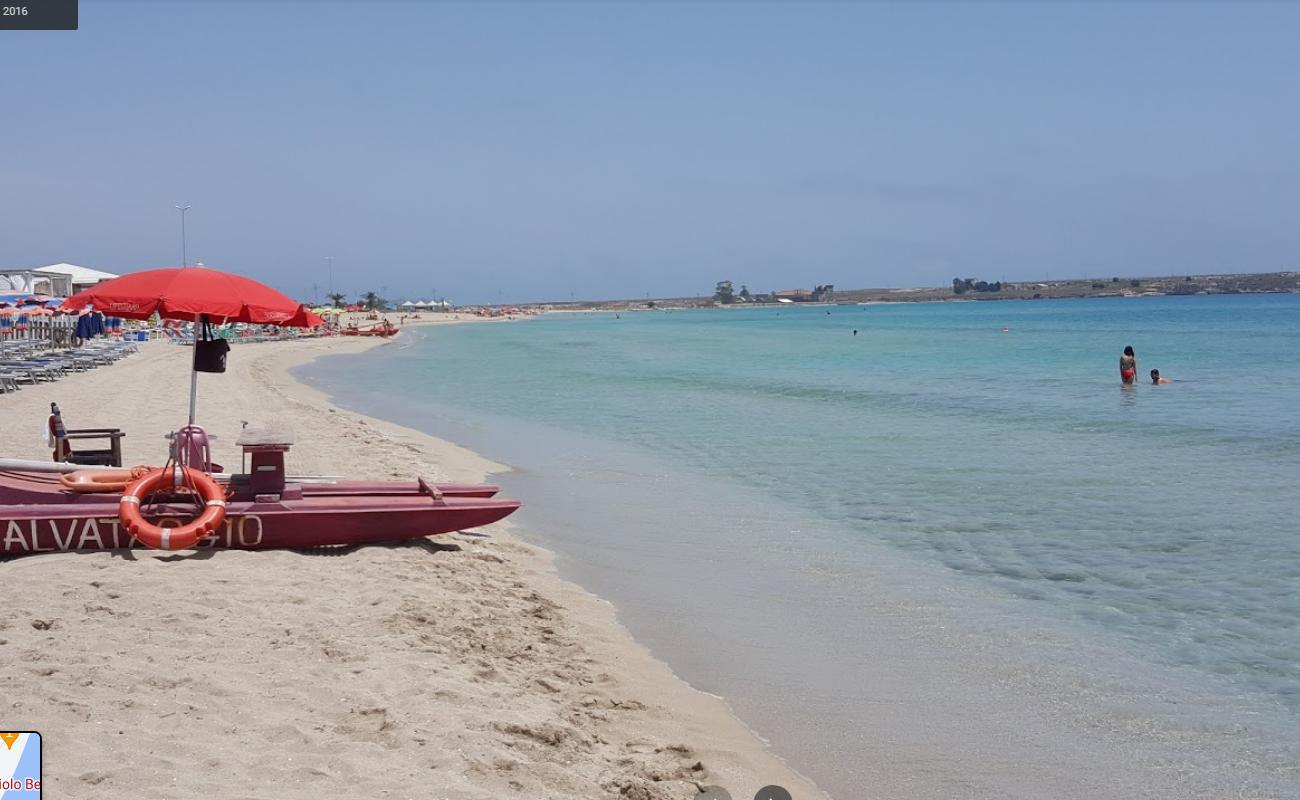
point(29, 281)
point(82, 277)
point(821, 294)
point(793, 295)
point(56, 280)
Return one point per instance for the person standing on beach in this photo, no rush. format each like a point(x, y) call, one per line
point(1128, 366)
point(62, 450)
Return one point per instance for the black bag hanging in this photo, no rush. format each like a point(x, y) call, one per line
point(210, 351)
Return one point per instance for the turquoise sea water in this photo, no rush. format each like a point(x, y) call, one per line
point(879, 544)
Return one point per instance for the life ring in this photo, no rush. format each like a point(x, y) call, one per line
point(94, 481)
point(173, 478)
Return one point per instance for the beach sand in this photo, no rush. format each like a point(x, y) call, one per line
point(460, 666)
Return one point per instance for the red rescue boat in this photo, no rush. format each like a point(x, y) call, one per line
point(263, 509)
point(385, 329)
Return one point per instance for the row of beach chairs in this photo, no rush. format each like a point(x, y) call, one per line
point(183, 337)
point(31, 362)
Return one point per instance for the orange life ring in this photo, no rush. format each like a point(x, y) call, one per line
point(173, 478)
point(91, 481)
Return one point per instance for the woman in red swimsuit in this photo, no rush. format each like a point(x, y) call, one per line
point(1128, 366)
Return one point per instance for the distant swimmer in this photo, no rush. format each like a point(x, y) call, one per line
point(1156, 379)
point(855, 331)
point(1128, 366)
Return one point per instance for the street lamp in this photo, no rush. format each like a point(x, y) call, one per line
point(184, 258)
point(330, 260)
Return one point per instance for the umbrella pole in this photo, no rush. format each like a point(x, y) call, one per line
point(194, 372)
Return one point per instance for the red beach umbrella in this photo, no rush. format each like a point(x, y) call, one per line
point(198, 294)
point(188, 292)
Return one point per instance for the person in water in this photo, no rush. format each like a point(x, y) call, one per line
point(1128, 366)
point(1156, 379)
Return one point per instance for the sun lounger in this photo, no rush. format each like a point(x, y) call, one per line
point(18, 373)
point(35, 362)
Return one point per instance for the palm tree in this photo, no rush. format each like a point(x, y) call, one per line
point(337, 298)
point(371, 301)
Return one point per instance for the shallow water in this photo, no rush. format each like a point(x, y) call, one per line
point(933, 558)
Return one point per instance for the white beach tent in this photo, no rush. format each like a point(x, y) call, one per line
point(407, 304)
point(82, 277)
point(28, 281)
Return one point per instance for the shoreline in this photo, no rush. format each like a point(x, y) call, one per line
point(937, 668)
point(541, 691)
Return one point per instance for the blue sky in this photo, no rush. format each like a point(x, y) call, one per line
point(537, 151)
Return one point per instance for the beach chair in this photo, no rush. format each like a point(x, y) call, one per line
point(104, 456)
point(110, 456)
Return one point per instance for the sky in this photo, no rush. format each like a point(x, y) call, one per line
point(545, 151)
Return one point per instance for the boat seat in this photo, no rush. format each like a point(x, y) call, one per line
point(110, 456)
point(193, 448)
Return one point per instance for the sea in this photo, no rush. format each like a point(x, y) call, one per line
point(925, 550)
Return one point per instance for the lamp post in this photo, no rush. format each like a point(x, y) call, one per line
point(184, 258)
point(330, 260)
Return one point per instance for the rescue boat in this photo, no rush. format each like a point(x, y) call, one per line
point(42, 512)
point(385, 329)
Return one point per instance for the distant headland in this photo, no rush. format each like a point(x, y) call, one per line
point(964, 289)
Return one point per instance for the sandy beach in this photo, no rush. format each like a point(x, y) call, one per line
point(460, 666)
